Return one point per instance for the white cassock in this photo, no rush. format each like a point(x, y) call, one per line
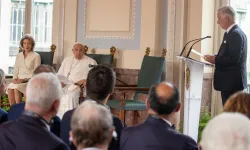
point(75, 70)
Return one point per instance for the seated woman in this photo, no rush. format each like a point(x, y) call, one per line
point(26, 63)
point(238, 102)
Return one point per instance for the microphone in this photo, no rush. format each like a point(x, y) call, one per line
point(107, 65)
point(91, 66)
point(192, 41)
point(195, 43)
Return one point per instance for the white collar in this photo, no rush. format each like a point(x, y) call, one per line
point(168, 122)
point(230, 27)
point(46, 124)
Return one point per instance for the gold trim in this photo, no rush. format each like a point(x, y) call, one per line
point(164, 52)
point(53, 48)
point(85, 49)
point(112, 50)
point(187, 80)
point(147, 51)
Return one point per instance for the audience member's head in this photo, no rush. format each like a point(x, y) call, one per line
point(163, 99)
point(44, 68)
point(238, 102)
point(100, 83)
point(43, 94)
point(91, 126)
point(227, 131)
point(2, 82)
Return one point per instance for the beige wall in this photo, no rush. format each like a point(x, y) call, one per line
point(150, 22)
point(70, 21)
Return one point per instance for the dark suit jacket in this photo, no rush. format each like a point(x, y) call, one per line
point(16, 110)
point(3, 116)
point(230, 63)
point(65, 128)
point(28, 133)
point(155, 134)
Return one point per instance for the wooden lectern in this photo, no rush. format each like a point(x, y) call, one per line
point(192, 95)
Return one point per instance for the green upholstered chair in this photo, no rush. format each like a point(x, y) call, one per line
point(47, 57)
point(106, 59)
point(150, 73)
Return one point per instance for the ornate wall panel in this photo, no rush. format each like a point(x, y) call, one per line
point(110, 22)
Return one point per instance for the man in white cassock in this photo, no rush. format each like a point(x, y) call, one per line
point(75, 69)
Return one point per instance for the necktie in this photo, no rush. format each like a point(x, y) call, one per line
point(225, 35)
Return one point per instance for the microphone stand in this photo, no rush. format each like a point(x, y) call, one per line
point(192, 41)
point(195, 43)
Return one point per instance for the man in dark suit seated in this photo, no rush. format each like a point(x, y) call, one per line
point(156, 132)
point(91, 131)
point(100, 85)
point(16, 110)
point(3, 114)
point(31, 130)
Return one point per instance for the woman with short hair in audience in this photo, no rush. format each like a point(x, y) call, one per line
point(238, 102)
point(3, 114)
point(26, 62)
point(2, 82)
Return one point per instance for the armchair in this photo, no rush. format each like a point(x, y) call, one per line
point(47, 57)
point(106, 59)
point(150, 73)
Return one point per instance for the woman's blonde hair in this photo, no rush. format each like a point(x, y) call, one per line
point(238, 102)
point(30, 38)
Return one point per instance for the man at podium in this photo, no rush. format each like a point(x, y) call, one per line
point(230, 62)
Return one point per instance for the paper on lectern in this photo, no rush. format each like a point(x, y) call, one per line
point(194, 51)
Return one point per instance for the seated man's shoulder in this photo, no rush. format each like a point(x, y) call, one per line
point(116, 120)
point(3, 116)
point(2, 112)
point(182, 138)
point(68, 114)
point(135, 129)
point(9, 125)
point(19, 105)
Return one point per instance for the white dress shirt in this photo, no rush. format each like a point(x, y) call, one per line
point(230, 27)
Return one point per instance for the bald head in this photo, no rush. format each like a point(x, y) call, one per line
point(78, 50)
point(163, 98)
